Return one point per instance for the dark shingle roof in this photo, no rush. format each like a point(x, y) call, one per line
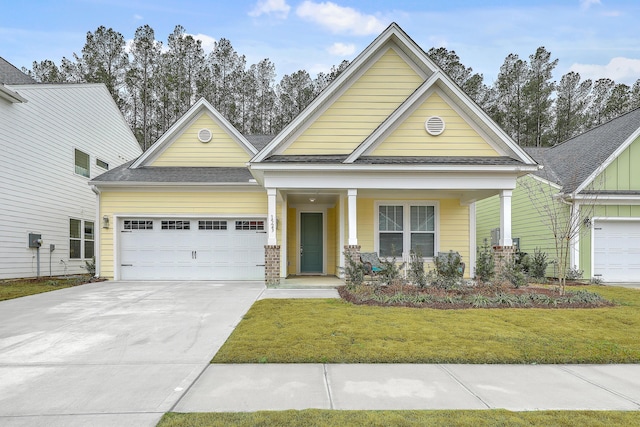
point(10, 75)
point(395, 160)
point(163, 174)
point(259, 141)
point(573, 161)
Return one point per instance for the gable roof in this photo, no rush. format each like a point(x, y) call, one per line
point(11, 75)
point(575, 163)
point(202, 105)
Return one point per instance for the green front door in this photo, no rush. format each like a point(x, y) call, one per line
point(311, 242)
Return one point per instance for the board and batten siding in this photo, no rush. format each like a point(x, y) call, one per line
point(187, 150)
point(252, 202)
point(623, 172)
point(410, 138)
point(360, 109)
point(40, 189)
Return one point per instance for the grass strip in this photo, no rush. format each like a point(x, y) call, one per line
point(333, 331)
point(448, 418)
point(24, 287)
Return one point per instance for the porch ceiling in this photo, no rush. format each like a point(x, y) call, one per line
point(328, 197)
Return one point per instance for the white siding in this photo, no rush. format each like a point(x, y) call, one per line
point(39, 190)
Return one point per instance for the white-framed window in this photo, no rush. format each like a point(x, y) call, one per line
point(138, 224)
point(402, 227)
point(82, 163)
point(212, 225)
point(81, 239)
point(175, 225)
point(102, 164)
point(250, 225)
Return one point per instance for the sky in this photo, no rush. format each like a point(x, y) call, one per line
point(597, 38)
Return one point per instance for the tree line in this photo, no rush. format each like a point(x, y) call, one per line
point(154, 85)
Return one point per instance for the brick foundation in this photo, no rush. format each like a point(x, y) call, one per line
point(272, 265)
point(502, 256)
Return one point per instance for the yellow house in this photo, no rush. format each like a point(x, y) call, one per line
point(390, 158)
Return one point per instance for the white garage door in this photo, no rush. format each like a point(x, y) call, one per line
point(191, 249)
point(617, 250)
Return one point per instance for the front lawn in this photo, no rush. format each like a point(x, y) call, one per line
point(334, 331)
point(10, 289)
point(316, 417)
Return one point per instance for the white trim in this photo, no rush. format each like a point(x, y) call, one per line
point(609, 199)
point(323, 212)
point(97, 249)
point(545, 181)
point(574, 257)
point(342, 167)
point(341, 263)
point(11, 96)
point(272, 217)
point(472, 240)
point(609, 160)
point(202, 106)
point(505, 218)
point(406, 232)
point(352, 224)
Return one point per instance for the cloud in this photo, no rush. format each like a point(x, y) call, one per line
point(278, 8)
point(138, 17)
point(208, 42)
point(339, 19)
point(619, 69)
point(586, 4)
point(342, 49)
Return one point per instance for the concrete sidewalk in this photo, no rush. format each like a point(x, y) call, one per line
point(255, 387)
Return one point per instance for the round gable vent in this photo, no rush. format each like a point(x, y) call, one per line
point(204, 135)
point(434, 125)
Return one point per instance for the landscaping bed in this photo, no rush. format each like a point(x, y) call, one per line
point(470, 296)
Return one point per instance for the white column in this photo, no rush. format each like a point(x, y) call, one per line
point(271, 217)
point(505, 218)
point(575, 240)
point(352, 194)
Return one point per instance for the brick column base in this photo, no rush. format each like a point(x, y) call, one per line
point(353, 252)
point(272, 265)
point(502, 256)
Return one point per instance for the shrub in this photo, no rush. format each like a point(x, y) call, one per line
point(574, 273)
point(417, 274)
point(90, 266)
point(537, 264)
point(353, 270)
point(449, 264)
point(390, 271)
point(485, 265)
point(514, 274)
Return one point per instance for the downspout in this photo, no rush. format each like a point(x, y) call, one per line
point(98, 225)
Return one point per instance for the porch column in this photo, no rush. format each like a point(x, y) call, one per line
point(271, 217)
point(352, 194)
point(505, 218)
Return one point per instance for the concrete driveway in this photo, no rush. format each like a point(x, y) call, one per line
point(111, 353)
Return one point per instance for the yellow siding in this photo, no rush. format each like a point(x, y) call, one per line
point(360, 109)
point(187, 150)
point(171, 203)
point(411, 138)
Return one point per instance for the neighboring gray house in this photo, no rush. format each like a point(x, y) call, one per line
point(54, 138)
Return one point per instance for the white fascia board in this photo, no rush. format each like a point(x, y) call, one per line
point(302, 167)
point(545, 181)
point(608, 199)
point(392, 181)
point(11, 96)
point(173, 185)
point(352, 72)
point(185, 121)
point(609, 160)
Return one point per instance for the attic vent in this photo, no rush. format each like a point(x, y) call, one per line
point(204, 135)
point(434, 125)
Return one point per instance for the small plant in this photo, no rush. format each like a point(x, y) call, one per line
point(574, 273)
point(353, 271)
point(90, 266)
point(537, 264)
point(417, 274)
point(485, 264)
point(596, 280)
point(390, 271)
point(514, 274)
point(449, 264)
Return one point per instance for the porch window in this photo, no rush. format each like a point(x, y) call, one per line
point(406, 227)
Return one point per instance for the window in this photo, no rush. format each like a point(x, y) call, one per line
point(81, 239)
point(82, 163)
point(212, 225)
point(406, 227)
point(138, 224)
point(102, 164)
point(176, 225)
point(249, 225)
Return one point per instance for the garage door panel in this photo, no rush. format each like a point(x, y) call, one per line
point(617, 250)
point(204, 250)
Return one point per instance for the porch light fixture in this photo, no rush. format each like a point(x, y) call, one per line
point(105, 221)
point(587, 222)
point(312, 199)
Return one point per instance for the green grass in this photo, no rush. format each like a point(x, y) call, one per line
point(316, 417)
point(333, 331)
point(23, 287)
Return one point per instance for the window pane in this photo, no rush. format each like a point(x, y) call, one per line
point(423, 244)
point(390, 244)
point(88, 231)
point(422, 218)
point(74, 228)
point(390, 218)
point(82, 163)
point(74, 249)
point(88, 249)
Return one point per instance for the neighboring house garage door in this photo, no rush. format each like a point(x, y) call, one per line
point(191, 249)
point(617, 250)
